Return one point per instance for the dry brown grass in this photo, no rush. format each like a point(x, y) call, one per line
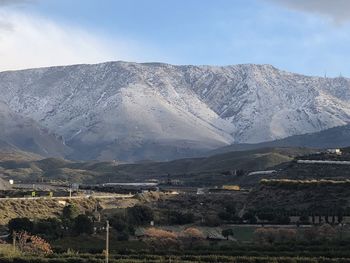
point(39, 208)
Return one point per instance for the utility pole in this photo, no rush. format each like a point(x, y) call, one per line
point(107, 241)
point(14, 240)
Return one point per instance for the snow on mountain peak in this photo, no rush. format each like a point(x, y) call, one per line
point(133, 111)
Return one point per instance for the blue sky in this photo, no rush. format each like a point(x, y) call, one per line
point(312, 38)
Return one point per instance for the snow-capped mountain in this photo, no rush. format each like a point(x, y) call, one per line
point(22, 133)
point(131, 111)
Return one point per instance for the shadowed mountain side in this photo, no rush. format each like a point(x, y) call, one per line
point(18, 133)
point(209, 170)
point(337, 137)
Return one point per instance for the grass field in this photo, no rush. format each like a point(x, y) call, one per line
point(243, 234)
point(137, 258)
point(95, 244)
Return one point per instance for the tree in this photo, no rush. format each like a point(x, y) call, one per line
point(212, 220)
point(227, 233)
point(304, 219)
point(326, 232)
point(140, 214)
point(32, 244)
point(119, 223)
point(224, 215)
point(340, 215)
point(266, 216)
point(20, 224)
point(192, 235)
point(83, 225)
point(231, 208)
point(240, 172)
point(286, 235)
point(249, 217)
point(180, 218)
point(265, 235)
point(284, 220)
point(159, 238)
point(70, 212)
point(310, 234)
point(50, 228)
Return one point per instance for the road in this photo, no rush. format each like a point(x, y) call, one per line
point(119, 196)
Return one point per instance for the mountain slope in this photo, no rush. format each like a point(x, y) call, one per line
point(132, 111)
point(213, 170)
point(337, 137)
point(18, 134)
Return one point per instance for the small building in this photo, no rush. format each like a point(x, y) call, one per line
point(231, 187)
point(201, 191)
point(335, 151)
point(267, 172)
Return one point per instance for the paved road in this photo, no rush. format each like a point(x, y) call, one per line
point(119, 196)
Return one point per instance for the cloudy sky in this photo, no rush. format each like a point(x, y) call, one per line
point(305, 36)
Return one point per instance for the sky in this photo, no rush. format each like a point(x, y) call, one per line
point(309, 37)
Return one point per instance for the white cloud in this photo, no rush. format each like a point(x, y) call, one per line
point(337, 10)
point(30, 41)
point(13, 2)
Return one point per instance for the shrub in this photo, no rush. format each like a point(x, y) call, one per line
point(274, 235)
point(83, 225)
point(227, 233)
point(212, 221)
point(20, 224)
point(50, 228)
point(250, 218)
point(140, 214)
point(119, 222)
point(158, 238)
point(180, 218)
point(70, 212)
point(32, 244)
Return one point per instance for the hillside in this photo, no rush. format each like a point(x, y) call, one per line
point(154, 111)
point(22, 134)
point(10, 153)
point(312, 197)
point(211, 170)
point(337, 137)
point(306, 186)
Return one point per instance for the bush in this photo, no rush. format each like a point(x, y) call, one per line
point(70, 212)
point(158, 238)
point(274, 235)
point(32, 244)
point(20, 224)
point(50, 228)
point(212, 221)
point(140, 215)
point(83, 225)
point(283, 220)
point(227, 233)
point(250, 218)
point(119, 223)
point(123, 236)
point(179, 218)
point(226, 216)
point(304, 219)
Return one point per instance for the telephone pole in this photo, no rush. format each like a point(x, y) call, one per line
point(107, 241)
point(14, 240)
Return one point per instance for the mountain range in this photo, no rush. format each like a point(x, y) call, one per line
point(131, 111)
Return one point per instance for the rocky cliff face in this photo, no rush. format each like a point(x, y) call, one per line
point(131, 111)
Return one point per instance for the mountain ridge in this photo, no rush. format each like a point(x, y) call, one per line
point(162, 112)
